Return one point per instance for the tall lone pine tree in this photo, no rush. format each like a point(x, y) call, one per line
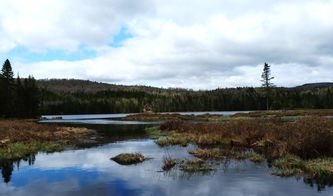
point(266, 82)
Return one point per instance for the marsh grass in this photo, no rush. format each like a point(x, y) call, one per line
point(20, 138)
point(22, 149)
point(321, 167)
point(196, 166)
point(129, 158)
point(286, 172)
point(290, 113)
point(168, 163)
point(295, 147)
point(171, 141)
point(307, 138)
point(288, 161)
point(257, 158)
point(215, 153)
point(154, 132)
point(291, 164)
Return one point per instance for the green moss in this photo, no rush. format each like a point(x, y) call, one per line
point(214, 153)
point(240, 156)
point(223, 141)
point(257, 158)
point(285, 172)
point(22, 149)
point(51, 147)
point(153, 132)
point(291, 165)
point(321, 167)
point(171, 141)
point(289, 161)
point(194, 166)
point(129, 158)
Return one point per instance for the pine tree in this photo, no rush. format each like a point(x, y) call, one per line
point(7, 89)
point(19, 98)
point(266, 82)
point(31, 97)
point(7, 72)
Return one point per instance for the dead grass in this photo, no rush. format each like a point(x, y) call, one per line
point(19, 138)
point(279, 114)
point(24, 130)
point(294, 147)
point(168, 163)
point(307, 138)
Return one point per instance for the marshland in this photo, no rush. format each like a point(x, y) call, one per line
point(92, 153)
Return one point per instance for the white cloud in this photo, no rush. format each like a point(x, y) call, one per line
point(176, 43)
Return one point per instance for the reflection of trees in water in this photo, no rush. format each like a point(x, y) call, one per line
point(6, 170)
point(7, 166)
point(321, 183)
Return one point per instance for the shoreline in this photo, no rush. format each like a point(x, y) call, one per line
point(20, 138)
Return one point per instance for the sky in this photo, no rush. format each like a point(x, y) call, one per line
point(176, 43)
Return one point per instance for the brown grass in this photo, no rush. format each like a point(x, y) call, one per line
point(168, 163)
point(12, 131)
point(307, 138)
point(279, 114)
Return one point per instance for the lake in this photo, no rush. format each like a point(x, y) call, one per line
point(88, 170)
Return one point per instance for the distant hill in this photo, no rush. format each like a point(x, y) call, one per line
point(64, 86)
point(315, 85)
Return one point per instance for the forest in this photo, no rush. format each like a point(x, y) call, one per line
point(83, 97)
point(27, 97)
point(19, 97)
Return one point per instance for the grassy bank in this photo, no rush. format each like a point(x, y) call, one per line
point(19, 138)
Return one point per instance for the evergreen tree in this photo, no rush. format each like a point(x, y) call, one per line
point(17, 99)
point(31, 97)
point(7, 72)
point(266, 82)
point(7, 89)
point(20, 109)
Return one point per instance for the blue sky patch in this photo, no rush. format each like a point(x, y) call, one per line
point(120, 37)
point(23, 55)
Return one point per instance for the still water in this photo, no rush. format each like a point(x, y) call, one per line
point(89, 170)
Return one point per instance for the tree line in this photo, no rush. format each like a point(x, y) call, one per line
point(30, 98)
point(19, 97)
point(227, 99)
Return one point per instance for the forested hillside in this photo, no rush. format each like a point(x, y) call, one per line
point(60, 96)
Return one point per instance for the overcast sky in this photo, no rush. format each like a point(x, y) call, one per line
point(175, 43)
